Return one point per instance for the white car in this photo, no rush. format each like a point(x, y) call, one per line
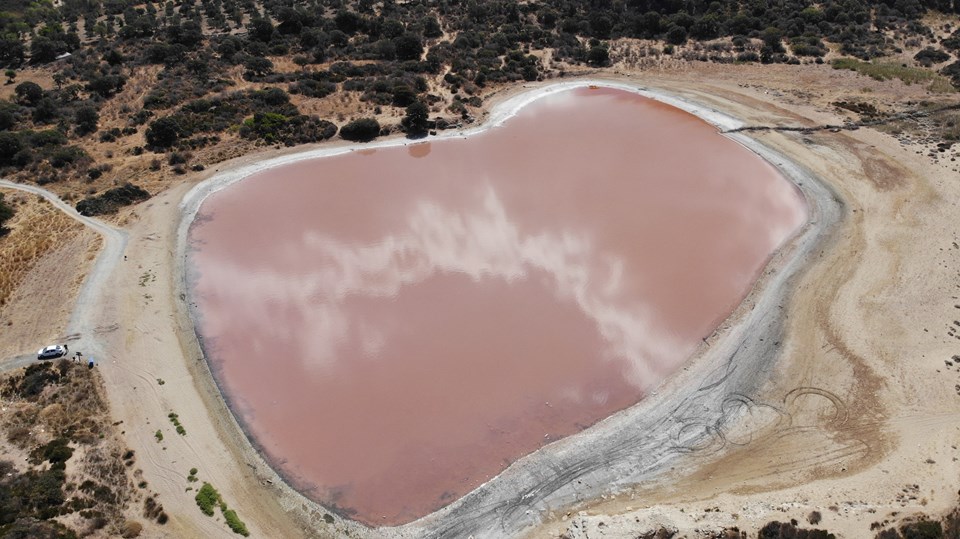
point(52, 351)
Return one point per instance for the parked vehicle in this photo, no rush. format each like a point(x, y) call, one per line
point(53, 351)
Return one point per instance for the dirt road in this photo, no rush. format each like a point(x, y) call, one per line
point(114, 242)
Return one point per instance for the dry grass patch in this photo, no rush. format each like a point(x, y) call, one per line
point(882, 71)
point(35, 230)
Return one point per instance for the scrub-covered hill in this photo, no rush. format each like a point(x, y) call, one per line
point(100, 93)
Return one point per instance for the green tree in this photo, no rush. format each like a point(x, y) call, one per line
point(417, 120)
point(291, 20)
point(46, 111)
point(10, 145)
point(706, 27)
point(598, 56)
point(163, 133)
point(257, 67)
point(260, 29)
point(431, 27)
point(44, 50)
point(107, 85)
point(86, 119)
point(403, 95)
point(677, 35)
point(12, 51)
point(114, 57)
point(348, 22)
point(409, 46)
point(28, 93)
point(772, 44)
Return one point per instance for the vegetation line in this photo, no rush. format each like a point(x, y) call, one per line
point(851, 126)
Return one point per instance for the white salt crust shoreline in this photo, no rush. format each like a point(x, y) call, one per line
point(691, 411)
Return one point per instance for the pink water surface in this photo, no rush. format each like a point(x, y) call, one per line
point(395, 327)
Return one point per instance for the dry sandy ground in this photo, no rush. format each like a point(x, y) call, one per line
point(868, 327)
point(42, 262)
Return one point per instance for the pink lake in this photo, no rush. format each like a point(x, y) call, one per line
point(394, 327)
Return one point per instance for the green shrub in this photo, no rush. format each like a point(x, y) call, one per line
point(263, 125)
point(66, 155)
point(952, 71)
point(788, 530)
point(235, 523)
point(274, 128)
point(929, 56)
point(33, 528)
point(41, 492)
point(808, 46)
point(362, 130)
point(163, 133)
point(47, 137)
point(34, 380)
point(207, 499)
point(57, 451)
point(112, 200)
point(313, 88)
point(923, 529)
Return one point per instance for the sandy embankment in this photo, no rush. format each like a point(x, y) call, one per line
point(830, 344)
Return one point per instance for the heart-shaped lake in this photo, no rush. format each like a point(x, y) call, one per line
point(394, 327)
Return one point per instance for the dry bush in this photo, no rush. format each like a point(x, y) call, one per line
point(130, 529)
point(20, 423)
point(59, 397)
point(64, 402)
point(55, 416)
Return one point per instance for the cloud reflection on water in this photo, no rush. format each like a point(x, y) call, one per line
point(480, 242)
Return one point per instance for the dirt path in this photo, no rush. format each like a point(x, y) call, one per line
point(114, 242)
